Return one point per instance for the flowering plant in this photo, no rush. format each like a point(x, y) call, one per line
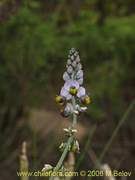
point(72, 100)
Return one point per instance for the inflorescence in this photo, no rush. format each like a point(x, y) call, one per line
point(72, 100)
point(73, 87)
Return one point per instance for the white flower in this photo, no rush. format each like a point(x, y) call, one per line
point(67, 110)
point(65, 91)
point(79, 67)
point(70, 84)
point(79, 77)
point(68, 62)
point(66, 76)
point(74, 63)
point(78, 59)
point(73, 88)
point(79, 74)
point(81, 92)
point(72, 57)
point(80, 81)
point(69, 69)
point(72, 50)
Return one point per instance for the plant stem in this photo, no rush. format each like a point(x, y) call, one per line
point(74, 115)
point(69, 142)
point(123, 119)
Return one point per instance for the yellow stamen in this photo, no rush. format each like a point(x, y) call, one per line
point(73, 91)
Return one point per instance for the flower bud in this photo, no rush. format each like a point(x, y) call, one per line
point(86, 100)
point(64, 113)
point(59, 100)
point(75, 147)
point(68, 62)
point(69, 69)
point(77, 59)
point(74, 63)
point(79, 67)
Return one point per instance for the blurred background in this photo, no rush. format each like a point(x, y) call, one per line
point(35, 37)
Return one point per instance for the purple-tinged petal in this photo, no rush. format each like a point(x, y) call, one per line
point(80, 81)
point(70, 84)
point(74, 64)
point(67, 85)
point(78, 59)
point(81, 92)
point(74, 84)
point(68, 97)
point(79, 67)
point(66, 77)
point(69, 107)
point(79, 74)
point(69, 69)
point(65, 93)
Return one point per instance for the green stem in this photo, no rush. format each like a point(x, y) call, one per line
point(123, 119)
point(69, 142)
point(74, 115)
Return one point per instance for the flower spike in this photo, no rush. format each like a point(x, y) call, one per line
point(73, 77)
point(73, 99)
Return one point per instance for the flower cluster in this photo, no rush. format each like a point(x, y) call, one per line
point(73, 87)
